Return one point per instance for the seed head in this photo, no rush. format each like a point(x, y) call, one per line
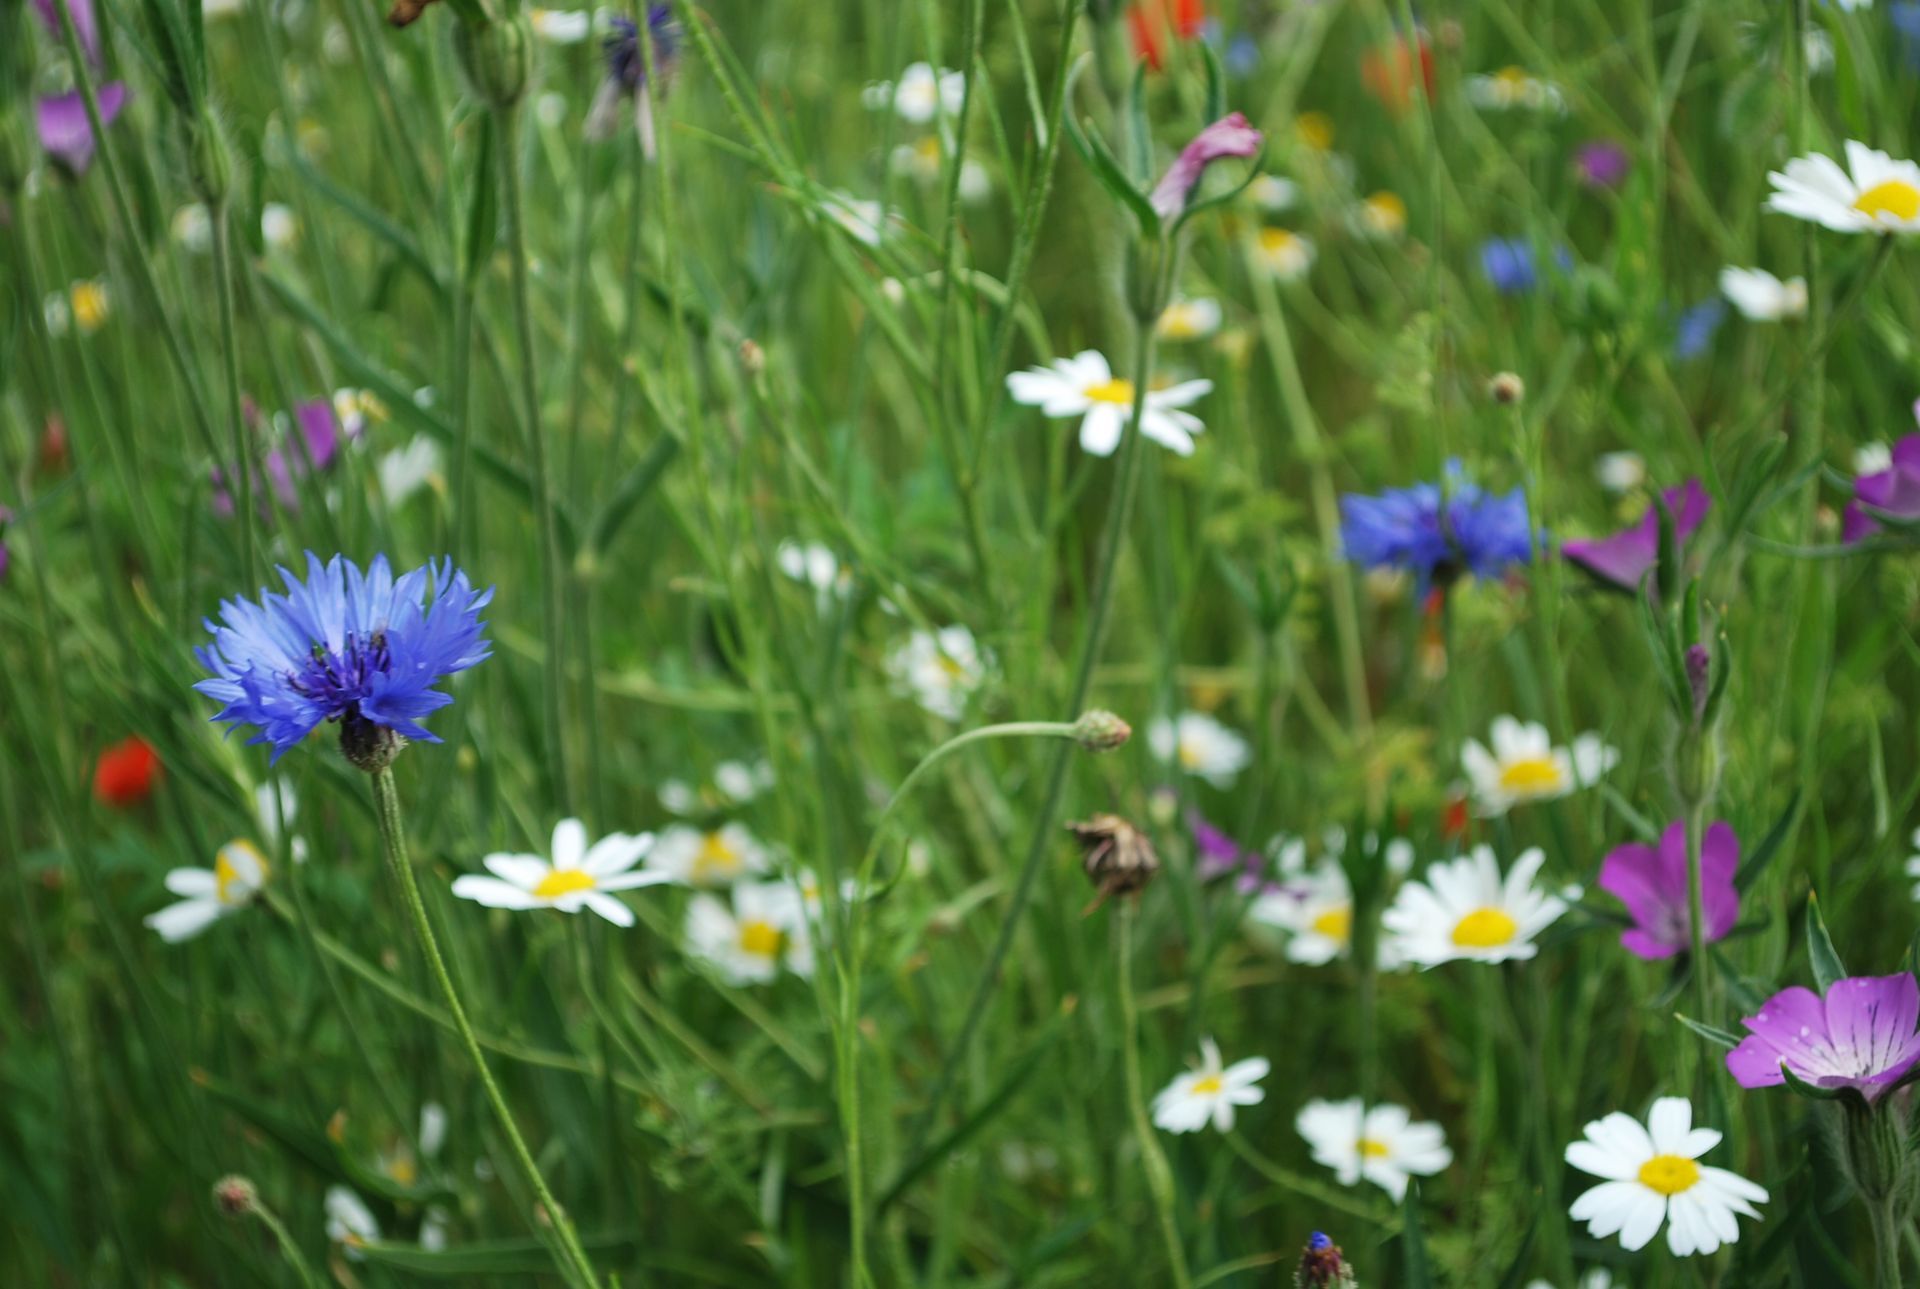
point(1117, 857)
point(235, 1196)
point(1099, 730)
point(1506, 388)
point(1322, 1266)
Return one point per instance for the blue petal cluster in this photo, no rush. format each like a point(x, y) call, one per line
point(1438, 533)
point(626, 64)
point(361, 649)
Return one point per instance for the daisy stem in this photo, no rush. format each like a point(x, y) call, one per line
point(230, 351)
point(1153, 1160)
point(571, 1256)
point(507, 134)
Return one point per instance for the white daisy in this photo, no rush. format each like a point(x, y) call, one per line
point(814, 564)
point(1525, 766)
point(350, 1223)
point(1316, 910)
point(920, 94)
point(279, 227)
point(208, 894)
point(925, 162)
point(192, 228)
point(405, 471)
point(577, 877)
point(748, 941)
point(1200, 745)
point(1651, 1175)
point(1382, 1145)
point(355, 409)
point(1464, 911)
point(1209, 1093)
point(699, 857)
point(561, 26)
point(941, 669)
point(1283, 254)
point(1620, 471)
point(1511, 88)
point(1875, 194)
point(1273, 194)
point(731, 784)
point(1189, 320)
point(1085, 386)
point(1762, 297)
point(1382, 215)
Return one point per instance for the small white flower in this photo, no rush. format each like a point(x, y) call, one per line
point(732, 783)
point(209, 894)
point(1597, 1278)
point(577, 877)
point(355, 408)
point(561, 26)
point(1382, 215)
point(1762, 297)
point(747, 942)
point(1085, 386)
point(1315, 910)
point(1872, 458)
point(1819, 51)
point(865, 221)
point(814, 564)
point(279, 228)
point(1511, 88)
point(1875, 194)
point(699, 857)
point(192, 228)
point(1189, 320)
point(1525, 766)
point(1208, 1094)
point(350, 1223)
point(1464, 911)
point(940, 669)
point(405, 471)
point(1273, 194)
point(1382, 1145)
point(1200, 744)
point(1620, 471)
point(1651, 1176)
point(925, 163)
point(1283, 254)
point(1913, 863)
point(920, 95)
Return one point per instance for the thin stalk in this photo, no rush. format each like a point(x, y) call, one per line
point(236, 418)
point(1153, 1160)
point(508, 133)
point(571, 1257)
point(289, 1247)
point(1886, 1242)
point(1106, 568)
point(1696, 920)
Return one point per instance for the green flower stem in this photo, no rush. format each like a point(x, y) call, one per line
point(1387, 1223)
point(1153, 1160)
point(507, 134)
point(1119, 519)
point(1696, 919)
point(1886, 1219)
point(289, 1247)
point(571, 1257)
point(236, 417)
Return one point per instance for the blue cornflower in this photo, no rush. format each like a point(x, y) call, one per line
point(1437, 533)
point(360, 649)
point(1508, 264)
point(1694, 329)
point(627, 73)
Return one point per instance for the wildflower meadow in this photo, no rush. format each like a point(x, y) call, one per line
point(1002, 643)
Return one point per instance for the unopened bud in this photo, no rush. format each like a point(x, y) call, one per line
point(1506, 388)
point(497, 58)
point(1100, 731)
point(1322, 1266)
point(1699, 665)
point(235, 1196)
point(1117, 857)
point(753, 359)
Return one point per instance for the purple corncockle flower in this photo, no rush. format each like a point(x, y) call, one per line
point(1437, 535)
point(363, 650)
point(627, 74)
point(83, 24)
point(1625, 558)
point(6, 517)
point(1653, 885)
point(1220, 856)
point(65, 133)
point(1601, 163)
point(1895, 490)
point(1230, 136)
point(286, 464)
point(1860, 1036)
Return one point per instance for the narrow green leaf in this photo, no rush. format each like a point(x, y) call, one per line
point(1769, 846)
point(483, 208)
point(492, 1257)
point(1216, 83)
point(1415, 1270)
point(631, 492)
point(1825, 960)
point(1708, 1032)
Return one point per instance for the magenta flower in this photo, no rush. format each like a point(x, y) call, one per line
point(1601, 163)
point(1860, 1036)
point(1653, 885)
point(1230, 136)
point(83, 24)
point(61, 120)
point(6, 517)
point(1624, 558)
point(286, 464)
point(1894, 490)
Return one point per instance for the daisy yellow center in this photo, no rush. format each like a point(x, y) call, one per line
point(1530, 774)
point(1276, 242)
point(226, 877)
point(1180, 321)
point(1315, 130)
point(1111, 391)
point(1387, 209)
point(928, 150)
point(1335, 924)
point(1485, 929)
point(89, 300)
point(1669, 1174)
point(1511, 77)
point(1192, 755)
point(761, 939)
point(1371, 1149)
point(563, 881)
point(1208, 1085)
point(716, 858)
point(1894, 197)
point(950, 668)
point(403, 1170)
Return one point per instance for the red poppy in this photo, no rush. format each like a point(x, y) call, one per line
point(53, 446)
point(126, 773)
point(1389, 74)
point(1152, 20)
point(1454, 820)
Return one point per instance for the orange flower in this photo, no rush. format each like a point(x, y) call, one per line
point(1389, 74)
point(126, 773)
point(1152, 20)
